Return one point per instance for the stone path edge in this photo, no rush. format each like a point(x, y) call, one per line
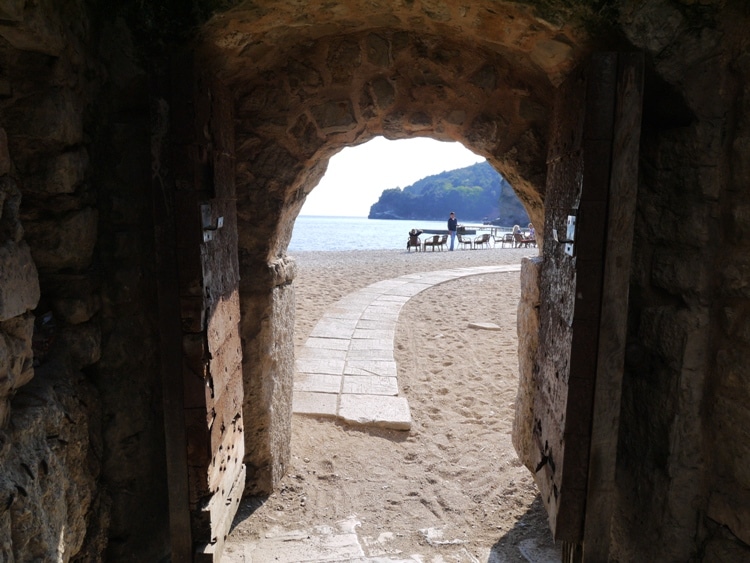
point(346, 369)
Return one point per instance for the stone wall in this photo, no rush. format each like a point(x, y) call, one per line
point(83, 447)
point(528, 343)
point(681, 389)
point(728, 392)
point(268, 371)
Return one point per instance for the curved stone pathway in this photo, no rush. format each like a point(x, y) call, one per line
point(346, 369)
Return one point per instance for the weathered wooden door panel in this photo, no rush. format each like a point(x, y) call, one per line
point(611, 351)
point(203, 389)
point(577, 278)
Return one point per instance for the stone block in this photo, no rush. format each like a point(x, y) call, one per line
point(334, 116)
point(371, 354)
point(4, 155)
point(731, 510)
point(370, 367)
point(523, 421)
point(10, 205)
point(338, 344)
point(740, 221)
point(485, 78)
point(663, 329)
point(376, 410)
point(654, 25)
point(374, 335)
point(314, 353)
point(678, 272)
point(456, 117)
point(378, 50)
point(19, 283)
point(335, 329)
point(530, 269)
point(80, 344)
point(370, 385)
point(318, 383)
point(372, 344)
point(344, 56)
point(321, 543)
point(484, 326)
point(317, 404)
point(735, 275)
point(61, 174)
point(4, 419)
point(34, 30)
point(67, 242)
point(56, 116)
point(76, 310)
point(12, 10)
point(320, 366)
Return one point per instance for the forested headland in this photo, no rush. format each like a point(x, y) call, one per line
point(476, 193)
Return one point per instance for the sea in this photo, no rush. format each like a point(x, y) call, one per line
point(317, 232)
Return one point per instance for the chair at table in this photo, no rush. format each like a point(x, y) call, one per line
point(414, 241)
point(465, 241)
point(521, 240)
point(433, 242)
point(481, 240)
point(507, 239)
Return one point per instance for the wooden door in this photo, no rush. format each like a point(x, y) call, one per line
point(589, 213)
point(198, 279)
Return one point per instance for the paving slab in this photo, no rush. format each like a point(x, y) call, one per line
point(385, 307)
point(328, 343)
point(375, 324)
point(319, 383)
point(370, 385)
point(394, 298)
point(316, 404)
point(330, 367)
point(376, 410)
point(319, 544)
point(372, 344)
point(317, 353)
point(384, 354)
point(380, 314)
point(332, 329)
point(370, 367)
point(376, 334)
point(348, 313)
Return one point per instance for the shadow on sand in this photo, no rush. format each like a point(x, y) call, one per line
point(530, 539)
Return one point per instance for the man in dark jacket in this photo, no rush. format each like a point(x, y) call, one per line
point(452, 226)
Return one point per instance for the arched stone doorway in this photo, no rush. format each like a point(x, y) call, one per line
point(292, 111)
point(289, 115)
point(317, 94)
point(76, 99)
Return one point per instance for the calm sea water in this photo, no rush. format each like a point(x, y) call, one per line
point(355, 233)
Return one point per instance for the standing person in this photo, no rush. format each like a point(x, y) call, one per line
point(452, 226)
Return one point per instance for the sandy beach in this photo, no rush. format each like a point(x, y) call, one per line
point(451, 488)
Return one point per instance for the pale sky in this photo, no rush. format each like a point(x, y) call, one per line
point(357, 176)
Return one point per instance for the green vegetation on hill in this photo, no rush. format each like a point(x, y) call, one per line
point(475, 193)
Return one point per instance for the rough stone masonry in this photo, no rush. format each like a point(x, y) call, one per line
point(88, 131)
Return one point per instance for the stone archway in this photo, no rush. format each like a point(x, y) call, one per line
point(315, 96)
point(75, 112)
